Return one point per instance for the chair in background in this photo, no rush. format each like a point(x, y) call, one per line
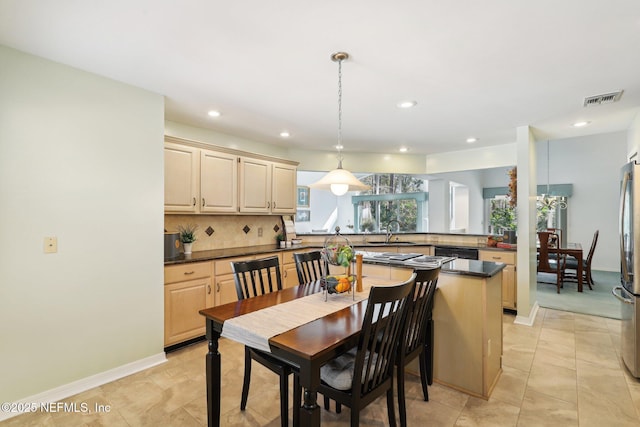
point(550, 259)
point(253, 278)
point(418, 335)
point(309, 266)
point(357, 378)
point(572, 264)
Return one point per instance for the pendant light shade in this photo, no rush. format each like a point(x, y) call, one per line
point(339, 181)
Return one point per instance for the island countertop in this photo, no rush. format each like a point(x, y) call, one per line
point(458, 266)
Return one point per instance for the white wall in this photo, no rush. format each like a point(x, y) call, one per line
point(81, 159)
point(592, 164)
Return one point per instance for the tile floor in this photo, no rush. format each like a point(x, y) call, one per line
point(564, 371)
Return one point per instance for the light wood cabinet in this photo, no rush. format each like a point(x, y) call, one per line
point(218, 182)
point(187, 290)
point(267, 187)
point(202, 179)
point(181, 178)
point(467, 315)
point(199, 181)
point(509, 276)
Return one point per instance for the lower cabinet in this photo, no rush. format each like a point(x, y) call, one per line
point(187, 290)
point(509, 276)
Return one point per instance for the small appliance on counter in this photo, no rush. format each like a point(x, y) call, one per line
point(171, 245)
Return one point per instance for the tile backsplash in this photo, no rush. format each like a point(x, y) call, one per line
point(228, 231)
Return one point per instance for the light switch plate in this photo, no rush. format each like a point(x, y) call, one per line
point(50, 245)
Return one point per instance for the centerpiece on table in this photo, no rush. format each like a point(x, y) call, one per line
point(338, 251)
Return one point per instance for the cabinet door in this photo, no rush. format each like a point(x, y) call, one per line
point(283, 188)
point(509, 287)
point(218, 182)
point(289, 276)
point(225, 289)
point(181, 178)
point(255, 185)
point(182, 303)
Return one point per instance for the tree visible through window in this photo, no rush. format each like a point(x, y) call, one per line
point(391, 197)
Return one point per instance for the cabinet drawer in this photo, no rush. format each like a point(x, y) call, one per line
point(498, 256)
point(190, 271)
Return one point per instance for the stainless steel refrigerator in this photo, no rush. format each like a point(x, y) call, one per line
point(629, 290)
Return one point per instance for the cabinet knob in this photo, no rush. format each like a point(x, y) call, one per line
point(194, 201)
point(186, 273)
point(274, 205)
point(203, 202)
point(209, 289)
point(217, 287)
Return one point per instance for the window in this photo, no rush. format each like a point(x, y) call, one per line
point(391, 197)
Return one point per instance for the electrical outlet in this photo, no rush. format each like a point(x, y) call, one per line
point(50, 245)
point(259, 231)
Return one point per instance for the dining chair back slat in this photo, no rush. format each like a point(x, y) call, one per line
point(256, 277)
point(309, 266)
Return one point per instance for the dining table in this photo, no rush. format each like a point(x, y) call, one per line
point(306, 346)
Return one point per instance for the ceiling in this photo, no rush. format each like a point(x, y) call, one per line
point(478, 69)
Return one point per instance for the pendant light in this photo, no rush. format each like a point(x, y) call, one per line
point(547, 200)
point(340, 180)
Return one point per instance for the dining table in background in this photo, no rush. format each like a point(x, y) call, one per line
point(574, 250)
point(308, 346)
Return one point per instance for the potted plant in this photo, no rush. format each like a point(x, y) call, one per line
point(503, 220)
point(280, 240)
point(187, 236)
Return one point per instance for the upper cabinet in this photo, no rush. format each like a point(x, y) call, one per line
point(267, 187)
point(218, 182)
point(181, 180)
point(204, 179)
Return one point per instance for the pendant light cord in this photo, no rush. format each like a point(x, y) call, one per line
point(339, 114)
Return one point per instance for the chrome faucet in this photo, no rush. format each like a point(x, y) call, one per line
point(389, 233)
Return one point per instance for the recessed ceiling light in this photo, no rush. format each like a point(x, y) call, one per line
point(339, 147)
point(472, 140)
point(403, 149)
point(407, 104)
point(285, 134)
point(580, 124)
point(214, 113)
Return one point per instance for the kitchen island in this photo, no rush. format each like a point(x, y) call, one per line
point(467, 318)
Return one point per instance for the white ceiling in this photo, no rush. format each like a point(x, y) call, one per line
point(476, 68)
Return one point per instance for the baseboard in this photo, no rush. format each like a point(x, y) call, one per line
point(84, 384)
point(528, 321)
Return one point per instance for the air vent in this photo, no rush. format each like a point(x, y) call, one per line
point(606, 98)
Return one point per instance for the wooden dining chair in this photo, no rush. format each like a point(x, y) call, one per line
point(418, 335)
point(550, 259)
point(357, 378)
point(253, 278)
point(572, 264)
point(309, 266)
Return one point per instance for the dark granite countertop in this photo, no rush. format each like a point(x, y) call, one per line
point(470, 267)
point(457, 266)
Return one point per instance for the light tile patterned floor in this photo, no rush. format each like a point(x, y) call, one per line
point(564, 371)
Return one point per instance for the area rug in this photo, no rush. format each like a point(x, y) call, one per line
point(596, 302)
